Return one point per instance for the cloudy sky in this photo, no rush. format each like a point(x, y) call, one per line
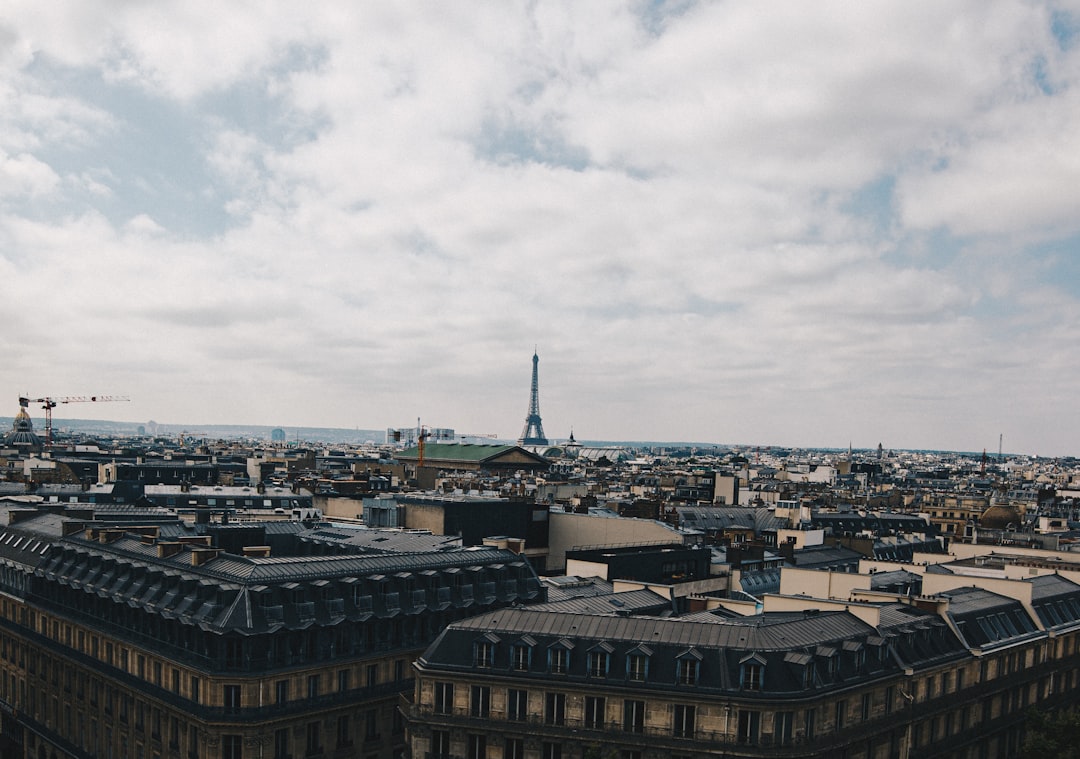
point(765, 223)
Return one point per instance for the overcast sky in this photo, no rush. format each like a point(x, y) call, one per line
point(764, 223)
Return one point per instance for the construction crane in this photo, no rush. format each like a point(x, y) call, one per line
point(421, 437)
point(49, 403)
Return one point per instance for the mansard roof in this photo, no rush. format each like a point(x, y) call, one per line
point(988, 620)
point(765, 632)
point(1056, 601)
point(170, 570)
point(800, 652)
point(642, 601)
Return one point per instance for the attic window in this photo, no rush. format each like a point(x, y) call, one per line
point(688, 666)
point(637, 667)
point(599, 661)
point(520, 657)
point(559, 657)
point(752, 672)
point(484, 654)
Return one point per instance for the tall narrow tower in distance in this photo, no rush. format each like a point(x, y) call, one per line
point(533, 434)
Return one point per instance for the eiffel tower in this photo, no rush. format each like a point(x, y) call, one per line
point(533, 434)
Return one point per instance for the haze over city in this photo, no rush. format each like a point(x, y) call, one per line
point(784, 223)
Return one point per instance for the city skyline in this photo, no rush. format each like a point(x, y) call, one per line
point(794, 225)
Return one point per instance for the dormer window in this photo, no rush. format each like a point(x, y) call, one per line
point(832, 665)
point(521, 656)
point(803, 664)
point(484, 652)
point(688, 667)
point(858, 653)
point(559, 657)
point(752, 672)
point(599, 660)
point(637, 667)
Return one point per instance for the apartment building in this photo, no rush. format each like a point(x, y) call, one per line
point(928, 677)
point(142, 639)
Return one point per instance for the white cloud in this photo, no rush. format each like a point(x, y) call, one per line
point(24, 175)
point(803, 224)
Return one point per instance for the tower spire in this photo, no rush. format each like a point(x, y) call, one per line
point(533, 434)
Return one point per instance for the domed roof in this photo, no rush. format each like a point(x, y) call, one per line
point(999, 517)
point(22, 433)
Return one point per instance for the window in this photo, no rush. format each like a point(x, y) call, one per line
point(281, 744)
point(371, 725)
point(550, 750)
point(811, 724)
point(634, 716)
point(752, 675)
point(749, 726)
point(195, 689)
point(520, 658)
point(372, 675)
point(440, 744)
point(683, 724)
point(313, 686)
point(598, 663)
point(231, 747)
point(343, 738)
point(784, 727)
point(514, 748)
point(594, 712)
point(444, 698)
point(476, 746)
point(342, 680)
point(889, 698)
point(555, 709)
point(559, 662)
point(637, 667)
point(867, 705)
point(688, 671)
point(313, 744)
point(231, 694)
point(841, 714)
point(484, 654)
point(281, 692)
point(480, 701)
point(517, 705)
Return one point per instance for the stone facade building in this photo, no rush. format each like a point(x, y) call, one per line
point(901, 678)
point(142, 638)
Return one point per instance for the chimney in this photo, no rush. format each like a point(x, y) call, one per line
point(257, 552)
point(200, 556)
point(194, 540)
point(168, 548)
